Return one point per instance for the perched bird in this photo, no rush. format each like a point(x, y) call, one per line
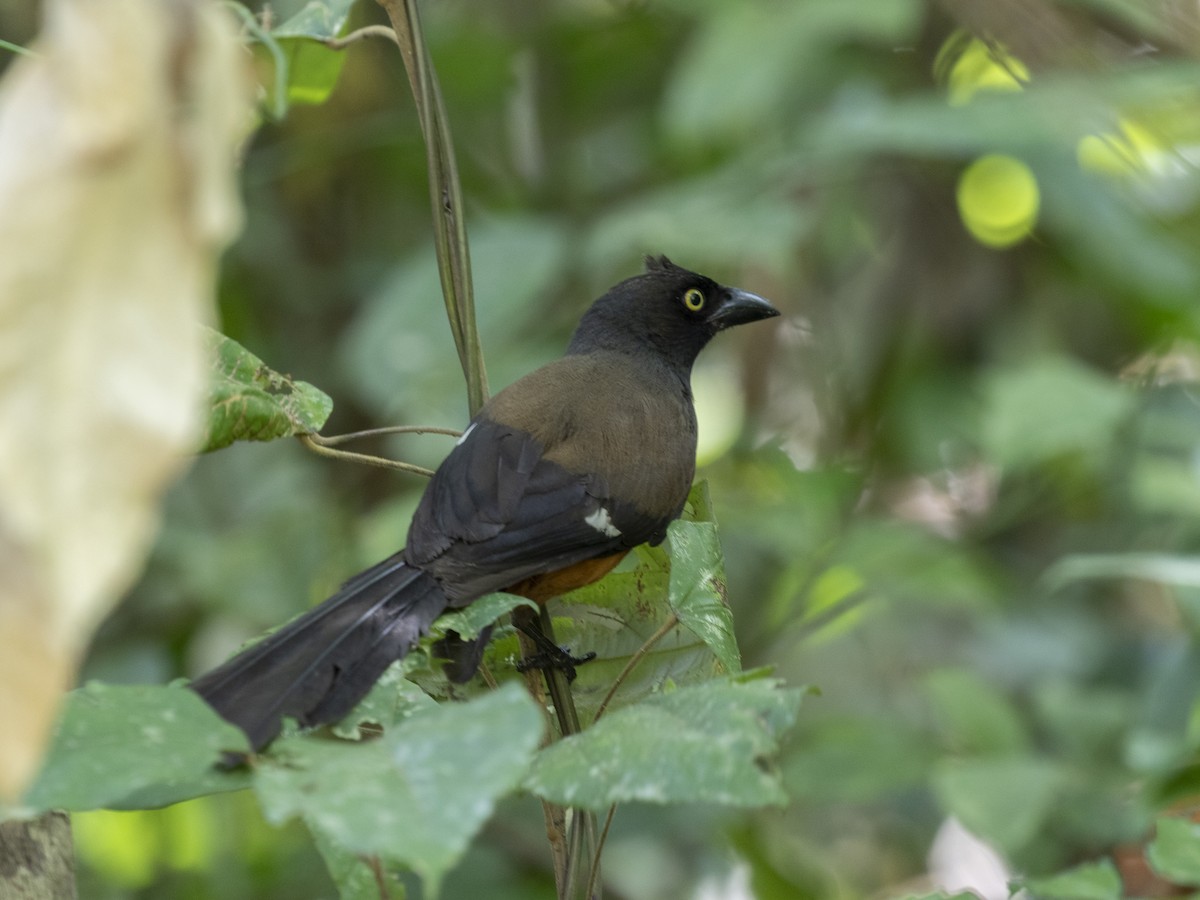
point(553, 482)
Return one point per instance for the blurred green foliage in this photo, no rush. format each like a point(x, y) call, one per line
point(965, 503)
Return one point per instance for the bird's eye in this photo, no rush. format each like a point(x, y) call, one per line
point(693, 299)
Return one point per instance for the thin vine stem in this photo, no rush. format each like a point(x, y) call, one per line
point(446, 200)
point(581, 839)
point(336, 440)
point(16, 48)
point(314, 443)
point(367, 31)
point(572, 837)
point(640, 654)
point(554, 815)
point(594, 874)
point(262, 33)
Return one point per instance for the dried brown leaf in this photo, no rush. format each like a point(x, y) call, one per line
point(118, 145)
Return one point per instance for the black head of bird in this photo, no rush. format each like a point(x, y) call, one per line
point(669, 309)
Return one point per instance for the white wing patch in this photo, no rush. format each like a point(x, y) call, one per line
point(602, 522)
point(463, 436)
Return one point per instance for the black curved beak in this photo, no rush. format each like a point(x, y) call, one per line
point(739, 307)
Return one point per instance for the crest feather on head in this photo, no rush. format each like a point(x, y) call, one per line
point(658, 264)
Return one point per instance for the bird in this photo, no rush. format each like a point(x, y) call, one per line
point(553, 482)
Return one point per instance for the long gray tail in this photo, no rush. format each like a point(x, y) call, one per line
point(319, 665)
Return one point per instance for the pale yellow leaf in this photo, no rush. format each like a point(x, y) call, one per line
point(118, 149)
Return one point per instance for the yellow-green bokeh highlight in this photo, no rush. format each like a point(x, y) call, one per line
point(969, 66)
point(130, 849)
point(998, 200)
point(827, 598)
point(133, 850)
point(1120, 153)
point(122, 847)
point(832, 595)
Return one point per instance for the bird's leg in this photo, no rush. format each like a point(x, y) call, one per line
point(549, 655)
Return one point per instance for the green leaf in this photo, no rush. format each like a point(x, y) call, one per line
point(418, 794)
point(1001, 800)
point(306, 71)
point(857, 760)
point(905, 563)
point(1163, 477)
point(135, 747)
point(1175, 851)
point(1084, 721)
point(699, 504)
point(250, 402)
point(500, 654)
point(319, 20)
point(391, 700)
point(1091, 881)
point(710, 743)
point(683, 218)
point(353, 875)
point(470, 620)
point(697, 588)
point(1050, 111)
point(1181, 571)
point(974, 716)
point(748, 59)
point(1049, 407)
point(1110, 231)
point(312, 70)
point(394, 352)
point(615, 617)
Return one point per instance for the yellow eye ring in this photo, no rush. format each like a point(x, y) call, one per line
point(693, 299)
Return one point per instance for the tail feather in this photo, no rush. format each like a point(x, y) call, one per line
point(319, 665)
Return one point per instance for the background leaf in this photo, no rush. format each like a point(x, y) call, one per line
point(1090, 881)
point(1050, 407)
point(1175, 851)
point(1004, 801)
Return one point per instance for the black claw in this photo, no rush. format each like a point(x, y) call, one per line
point(555, 658)
point(550, 655)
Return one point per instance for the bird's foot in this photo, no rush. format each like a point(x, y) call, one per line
point(551, 656)
point(560, 659)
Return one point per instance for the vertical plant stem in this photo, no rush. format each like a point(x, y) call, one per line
point(572, 832)
point(555, 815)
point(445, 193)
point(594, 874)
point(581, 824)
